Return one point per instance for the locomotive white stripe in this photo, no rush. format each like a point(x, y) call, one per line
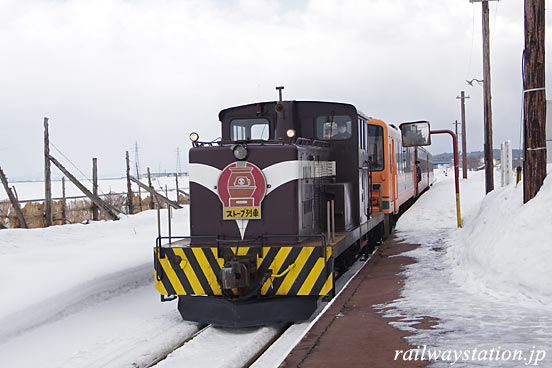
point(205, 175)
point(281, 173)
point(276, 175)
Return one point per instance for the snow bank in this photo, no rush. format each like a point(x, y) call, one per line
point(487, 283)
point(50, 272)
point(505, 249)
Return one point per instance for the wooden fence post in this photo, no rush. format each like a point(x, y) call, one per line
point(13, 200)
point(63, 201)
point(151, 205)
point(139, 190)
point(177, 197)
point(95, 210)
point(130, 205)
point(15, 193)
point(186, 195)
point(110, 210)
point(47, 177)
point(155, 194)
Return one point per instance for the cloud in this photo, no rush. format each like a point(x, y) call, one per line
point(109, 73)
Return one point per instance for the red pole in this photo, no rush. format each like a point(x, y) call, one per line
point(456, 181)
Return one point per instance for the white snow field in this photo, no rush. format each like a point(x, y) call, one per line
point(27, 190)
point(489, 283)
point(83, 296)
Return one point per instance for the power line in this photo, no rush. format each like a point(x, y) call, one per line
point(72, 164)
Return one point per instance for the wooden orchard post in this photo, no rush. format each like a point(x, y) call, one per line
point(130, 206)
point(14, 201)
point(63, 201)
point(95, 210)
point(177, 197)
point(110, 210)
point(47, 177)
point(151, 205)
point(156, 194)
point(139, 190)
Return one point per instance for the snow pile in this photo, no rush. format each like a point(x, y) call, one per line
point(504, 248)
point(487, 283)
point(51, 272)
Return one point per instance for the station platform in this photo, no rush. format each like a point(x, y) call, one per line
point(352, 333)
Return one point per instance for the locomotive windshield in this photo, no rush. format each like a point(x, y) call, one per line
point(333, 127)
point(375, 147)
point(249, 129)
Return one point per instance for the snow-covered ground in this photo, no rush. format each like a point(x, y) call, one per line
point(82, 295)
point(490, 282)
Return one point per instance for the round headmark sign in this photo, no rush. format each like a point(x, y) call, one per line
point(241, 188)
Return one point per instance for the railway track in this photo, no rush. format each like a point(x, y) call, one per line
point(211, 346)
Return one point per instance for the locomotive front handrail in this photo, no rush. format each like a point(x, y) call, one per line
point(260, 238)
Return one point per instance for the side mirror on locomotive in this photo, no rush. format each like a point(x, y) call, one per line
point(416, 133)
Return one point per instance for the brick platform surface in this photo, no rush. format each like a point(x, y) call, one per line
point(352, 333)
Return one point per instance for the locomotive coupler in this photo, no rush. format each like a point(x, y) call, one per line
point(235, 275)
point(238, 272)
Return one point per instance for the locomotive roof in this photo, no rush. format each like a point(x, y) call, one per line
point(222, 112)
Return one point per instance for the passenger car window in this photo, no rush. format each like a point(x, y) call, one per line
point(249, 129)
point(334, 127)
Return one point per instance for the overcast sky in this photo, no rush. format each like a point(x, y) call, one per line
point(109, 73)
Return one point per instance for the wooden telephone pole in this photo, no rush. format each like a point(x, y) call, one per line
point(534, 101)
point(464, 153)
point(487, 114)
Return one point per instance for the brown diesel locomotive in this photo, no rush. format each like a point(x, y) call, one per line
point(289, 196)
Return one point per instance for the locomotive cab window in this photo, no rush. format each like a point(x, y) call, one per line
point(375, 147)
point(334, 127)
point(249, 129)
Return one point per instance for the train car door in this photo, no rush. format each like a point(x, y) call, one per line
point(393, 173)
point(417, 173)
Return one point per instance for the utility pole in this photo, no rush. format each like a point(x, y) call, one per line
point(456, 127)
point(534, 100)
point(456, 133)
point(464, 153)
point(487, 115)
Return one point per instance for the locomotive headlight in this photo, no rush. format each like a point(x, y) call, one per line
point(290, 133)
point(194, 137)
point(240, 152)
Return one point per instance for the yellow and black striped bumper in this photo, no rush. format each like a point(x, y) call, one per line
point(296, 270)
